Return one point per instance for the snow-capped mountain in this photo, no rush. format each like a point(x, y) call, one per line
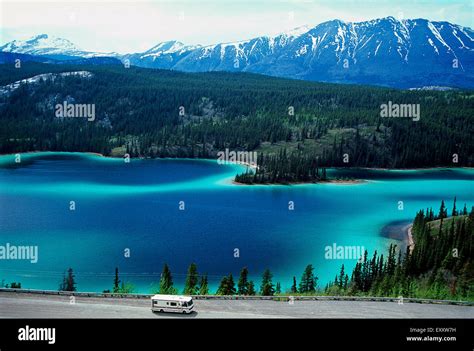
point(399, 53)
point(51, 46)
point(168, 47)
point(163, 55)
point(407, 53)
point(384, 51)
point(237, 56)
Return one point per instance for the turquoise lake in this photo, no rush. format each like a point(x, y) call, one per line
point(136, 206)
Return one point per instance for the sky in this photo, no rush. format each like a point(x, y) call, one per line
point(134, 26)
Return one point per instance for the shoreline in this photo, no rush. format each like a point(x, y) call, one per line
point(407, 234)
point(120, 157)
point(253, 166)
point(411, 242)
point(405, 169)
point(244, 163)
point(334, 181)
point(236, 163)
point(400, 232)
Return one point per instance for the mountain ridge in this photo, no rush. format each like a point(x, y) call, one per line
point(409, 53)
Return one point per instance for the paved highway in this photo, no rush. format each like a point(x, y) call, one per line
point(22, 305)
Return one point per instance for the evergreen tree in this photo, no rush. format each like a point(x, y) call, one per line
point(192, 278)
point(243, 284)
point(278, 288)
point(308, 280)
point(267, 288)
point(341, 277)
point(116, 282)
point(251, 290)
point(294, 288)
point(455, 211)
point(231, 285)
point(166, 281)
point(223, 288)
point(226, 286)
point(443, 212)
point(69, 283)
point(346, 281)
point(203, 286)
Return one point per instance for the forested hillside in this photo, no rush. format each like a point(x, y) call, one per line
point(439, 265)
point(160, 113)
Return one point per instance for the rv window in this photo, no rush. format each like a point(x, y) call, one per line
point(173, 304)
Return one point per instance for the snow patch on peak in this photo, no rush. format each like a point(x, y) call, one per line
point(295, 32)
point(44, 41)
point(45, 44)
point(433, 45)
point(38, 43)
point(437, 35)
point(166, 47)
point(302, 51)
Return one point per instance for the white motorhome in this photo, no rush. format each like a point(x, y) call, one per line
point(172, 303)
